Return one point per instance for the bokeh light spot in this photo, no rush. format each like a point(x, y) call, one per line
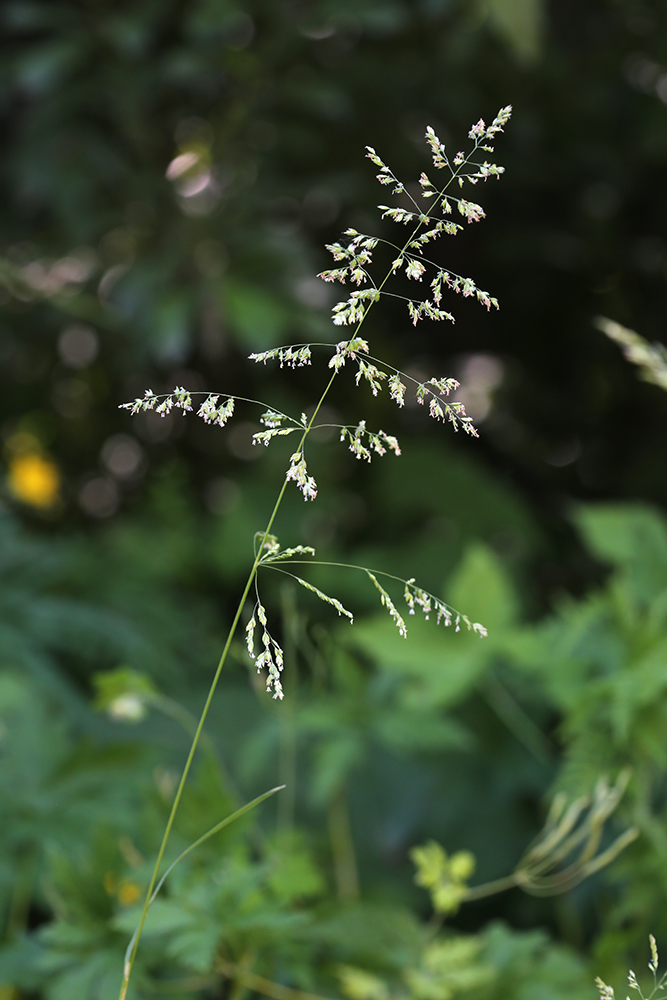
point(99, 497)
point(123, 456)
point(78, 346)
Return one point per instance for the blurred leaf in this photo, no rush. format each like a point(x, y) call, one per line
point(632, 538)
point(528, 961)
point(449, 968)
point(481, 588)
point(256, 315)
point(438, 668)
point(518, 22)
point(293, 875)
point(408, 730)
point(373, 934)
point(164, 915)
point(334, 759)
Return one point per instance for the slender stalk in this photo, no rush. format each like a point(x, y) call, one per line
point(491, 888)
point(188, 722)
point(342, 565)
point(127, 971)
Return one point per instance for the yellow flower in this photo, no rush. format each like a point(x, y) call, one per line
point(128, 892)
point(34, 479)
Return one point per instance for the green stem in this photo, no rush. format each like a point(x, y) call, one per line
point(188, 722)
point(491, 888)
point(127, 972)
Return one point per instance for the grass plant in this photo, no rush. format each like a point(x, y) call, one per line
point(426, 221)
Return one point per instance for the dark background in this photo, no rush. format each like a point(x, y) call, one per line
point(127, 540)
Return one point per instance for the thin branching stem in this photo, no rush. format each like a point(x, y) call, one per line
point(342, 565)
point(414, 256)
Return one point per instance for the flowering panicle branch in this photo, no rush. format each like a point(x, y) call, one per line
point(464, 286)
point(180, 398)
point(426, 309)
point(659, 985)
point(357, 254)
point(211, 413)
point(469, 209)
point(386, 176)
point(454, 413)
point(333, 601)
point(416, 597)
point(480, 134)
point(653, 964)
point(389, 605)
point(361, 441)
point(371, 373)
point(348, 349)
point(437, 149)
point(401, 215)
point(352, 311)
point(294, 356)
point(273, 421)
point(397, 389)
point(273, 552)
point(379, 443)
point(450, 228)
point(271, 657)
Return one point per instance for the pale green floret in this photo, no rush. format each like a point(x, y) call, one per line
point(389, 605)
point(212, 414)
point(378, 443)
point(271, 658)
point(299, 474)
point(292, 357)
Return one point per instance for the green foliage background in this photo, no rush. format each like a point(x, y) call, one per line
point(550, 529)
